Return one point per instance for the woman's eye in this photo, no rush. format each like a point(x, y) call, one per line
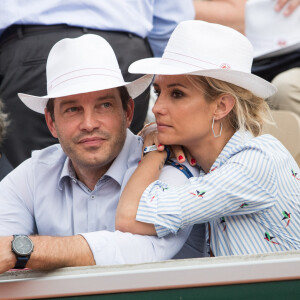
point(157, 92)
point(177, 94)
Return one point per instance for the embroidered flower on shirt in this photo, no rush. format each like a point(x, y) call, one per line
point(223, 221)
point(295, 175)
point(269, 238)
point(212, 169)
point(287, 216)
point(199, 194)
point(243, 205)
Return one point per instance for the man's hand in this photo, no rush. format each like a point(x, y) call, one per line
point(7, 257)
point(289, 6)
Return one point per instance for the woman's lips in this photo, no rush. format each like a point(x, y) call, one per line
point(161, 126)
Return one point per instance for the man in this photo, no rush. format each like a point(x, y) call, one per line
point(68, 193)
point(28, 29)
point(5, 166)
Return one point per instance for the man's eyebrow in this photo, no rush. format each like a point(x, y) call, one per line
point(105, 97)
point(62, 103)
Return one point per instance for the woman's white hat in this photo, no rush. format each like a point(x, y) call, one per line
point(81, 65)
point(206, 49)
point(271, 32)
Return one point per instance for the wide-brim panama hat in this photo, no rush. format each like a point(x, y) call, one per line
point(207, 49)
point(271, 32)
point(82, 65)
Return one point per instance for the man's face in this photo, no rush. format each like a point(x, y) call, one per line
point(90, 127)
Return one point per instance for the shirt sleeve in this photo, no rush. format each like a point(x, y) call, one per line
point(16, 198)
point(166, 16)
point(111, 248)
point(236, 188)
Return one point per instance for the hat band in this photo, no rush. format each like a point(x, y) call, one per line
point(191, 63)
point(85, 74)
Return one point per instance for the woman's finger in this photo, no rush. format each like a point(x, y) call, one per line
point(178, 153)
point(190, 158)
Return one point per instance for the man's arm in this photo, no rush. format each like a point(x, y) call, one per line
point(49, 253)
point(225, 12)
point(166, 16)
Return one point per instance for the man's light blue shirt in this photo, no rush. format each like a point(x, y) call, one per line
point(43, 196)
point(155, 19)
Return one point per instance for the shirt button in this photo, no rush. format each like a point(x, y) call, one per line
point(93, 197)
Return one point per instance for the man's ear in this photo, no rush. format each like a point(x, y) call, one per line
point(50, 123)
point(224, 105)
point(130, 111)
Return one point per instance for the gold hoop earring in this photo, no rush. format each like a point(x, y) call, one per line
point(212, 127)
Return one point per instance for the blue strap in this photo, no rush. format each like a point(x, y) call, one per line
point(180, 167)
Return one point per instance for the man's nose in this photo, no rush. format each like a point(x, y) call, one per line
point(89, 121)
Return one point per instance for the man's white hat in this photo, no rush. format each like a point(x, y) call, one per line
point(270, 32)
point(206, 49)
point(81, 65)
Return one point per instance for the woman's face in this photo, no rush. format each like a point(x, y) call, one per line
point(182, 114)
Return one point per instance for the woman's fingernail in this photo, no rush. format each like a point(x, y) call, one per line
point(160, 145)
point(193, 161)
point(180, 157)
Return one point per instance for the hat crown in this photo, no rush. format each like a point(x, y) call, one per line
point(86, 58)
point(201, 45)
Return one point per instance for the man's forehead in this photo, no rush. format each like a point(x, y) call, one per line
point(109, 93)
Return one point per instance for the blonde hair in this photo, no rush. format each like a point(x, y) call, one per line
point(3, 122)
point(249, 112)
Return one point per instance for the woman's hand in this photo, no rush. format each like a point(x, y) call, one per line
point(149, 134)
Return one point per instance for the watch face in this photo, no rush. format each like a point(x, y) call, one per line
point(22, 245)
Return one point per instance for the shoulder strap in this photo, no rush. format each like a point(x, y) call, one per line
point(180, 167)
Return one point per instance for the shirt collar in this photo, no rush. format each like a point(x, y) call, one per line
point(129, 156)
point(233, 146)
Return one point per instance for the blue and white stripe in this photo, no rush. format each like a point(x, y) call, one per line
point(250, 184)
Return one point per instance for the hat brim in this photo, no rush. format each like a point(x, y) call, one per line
point(135, 88)
point(248, 81)
point(281, 51)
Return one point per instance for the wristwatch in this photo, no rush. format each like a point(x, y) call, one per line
point(22, 247)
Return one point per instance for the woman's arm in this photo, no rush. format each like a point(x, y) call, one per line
point(147, 172)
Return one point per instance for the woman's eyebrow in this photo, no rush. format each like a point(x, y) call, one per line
point(176, 84)
point(171, 85)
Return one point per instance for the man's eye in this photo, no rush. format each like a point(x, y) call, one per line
point(106, 105)
point(72, 109)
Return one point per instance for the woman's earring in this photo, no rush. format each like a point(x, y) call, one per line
point(212, 127)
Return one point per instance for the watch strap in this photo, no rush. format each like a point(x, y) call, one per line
point(21, 262)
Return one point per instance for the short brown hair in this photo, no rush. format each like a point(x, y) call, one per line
point(123, 94)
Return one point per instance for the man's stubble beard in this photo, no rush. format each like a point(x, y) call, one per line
point(103, 155)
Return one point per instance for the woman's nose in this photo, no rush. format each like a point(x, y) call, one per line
point(159, 107)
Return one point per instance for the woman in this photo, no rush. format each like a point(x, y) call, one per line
point(248, 187)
